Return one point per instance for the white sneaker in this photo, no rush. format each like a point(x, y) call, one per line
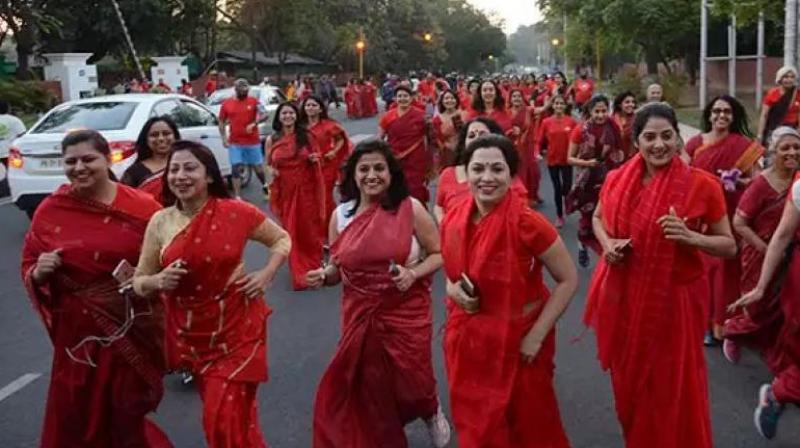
point(439, 429)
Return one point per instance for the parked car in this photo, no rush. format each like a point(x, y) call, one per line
point(36, 167)
point(269, 96)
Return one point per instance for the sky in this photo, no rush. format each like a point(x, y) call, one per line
point(514, 12)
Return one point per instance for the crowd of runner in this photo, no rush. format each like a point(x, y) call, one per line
point(694, 244)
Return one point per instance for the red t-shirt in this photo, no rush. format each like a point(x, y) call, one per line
point(427, 90)
point(557, 132)
point(584, 88)
point(792, 114)
point(241, 113)
point(211, 86)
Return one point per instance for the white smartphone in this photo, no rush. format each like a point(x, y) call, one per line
point(124, 271)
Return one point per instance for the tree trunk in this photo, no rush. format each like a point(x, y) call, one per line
point(652, 58)
point(25, 39)
point(790, 34)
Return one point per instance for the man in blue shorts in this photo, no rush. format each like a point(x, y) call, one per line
point(242, 113)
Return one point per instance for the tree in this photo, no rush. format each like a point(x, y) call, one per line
point(27, 20)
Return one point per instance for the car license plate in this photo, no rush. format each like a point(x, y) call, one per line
point(51, 164)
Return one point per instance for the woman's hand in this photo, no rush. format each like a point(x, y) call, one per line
point(470, 304)
point(330, 155)
point(313, 157)
point(531, 344)
point(315, 279)
point(591, 163)
point(169, 278)
point(675, 229)
point(254, 283)
point(614, 250)
point(46, 264)
point(516, 131)
point(404, 278)
point(751, 297)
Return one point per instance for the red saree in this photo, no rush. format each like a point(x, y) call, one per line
point(298, 200)
point(647, 312)
point(501, 116)
point(406, 135)
point(381, 377)
point(327, 132)
point(369, 100)
point(733, 151)
point(496, 400)
point(758, 326)
point(446, 130)
point(154, 186)
point(626, 127)
point(213, 330)
point(104, 405)
point(528, 172)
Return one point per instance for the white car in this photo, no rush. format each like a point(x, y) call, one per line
point(270, 97)
point(36, 166)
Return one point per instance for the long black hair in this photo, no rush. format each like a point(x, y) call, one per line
point(619, 99)
point(499, 101)
point(397, 190)
point(323, 111)
point(143, 151)
point(739, 122)
point(216, 188)
point(440, 103)
point(300, 129)
point(492, 125)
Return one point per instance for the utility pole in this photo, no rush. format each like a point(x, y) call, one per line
point(790, 34)
point(703, 54)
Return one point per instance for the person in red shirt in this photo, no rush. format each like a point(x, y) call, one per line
point(582, 89)
point(781, 106)
point(554, 137)
point(427, 89)
point(186, 88)
point(211, 83)
point(243, 113)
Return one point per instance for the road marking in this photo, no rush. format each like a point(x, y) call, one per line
point(357, 138)
point(16, 385)
point(5, 201)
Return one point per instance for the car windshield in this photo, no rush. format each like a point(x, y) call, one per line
point(110, 116)
point(221, 95)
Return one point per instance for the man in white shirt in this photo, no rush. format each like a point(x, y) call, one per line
point(11, 127)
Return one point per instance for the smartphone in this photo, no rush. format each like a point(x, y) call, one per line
point(393, 269)
point(627, 247)
point(467, 285)
point(124, 271)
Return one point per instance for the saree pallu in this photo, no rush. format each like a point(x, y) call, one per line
point(381, 377)
point(760, 322)
point(647, 316)
point(154, 186)
point(497, 400)
point(326, 133)
point(213, 330)
point(446, 131)
point(298, 200)
point(733, 151)
point(528, 172)
point(98, 396)
point(603, 143)
point(626, 130)
point(406, 135)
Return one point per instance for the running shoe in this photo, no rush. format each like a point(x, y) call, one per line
point(187, 378)
point(767, 413)
point(559, 222)
point(583, 257)
point(439, 429)
point(731, 351)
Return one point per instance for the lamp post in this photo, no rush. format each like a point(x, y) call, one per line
point(555, 42)
point(360, 46)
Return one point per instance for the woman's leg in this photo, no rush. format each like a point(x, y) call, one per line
point(230, 417)
point(558, 194)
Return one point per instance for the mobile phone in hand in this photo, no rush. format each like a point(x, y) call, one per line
point(124, 271)
point(467, 285)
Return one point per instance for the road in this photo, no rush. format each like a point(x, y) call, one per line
point(303, 332)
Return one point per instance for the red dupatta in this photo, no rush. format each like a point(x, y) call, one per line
point(94, 238)
point(381, 376)
point(406, 135)
point(213, 329)
point(629, 305)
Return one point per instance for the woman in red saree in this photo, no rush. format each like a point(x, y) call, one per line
point(352, 100)
point(596, 149)
point(447, 125)
point(333, 146)
point(522, 134)
point(100, 389)
point(216, 317)
point(369, 98)
point(725, 151)
point(453, 187)
point(781, 105)
point(759, 212)
point(624, 112)
point(499, 339)
point(298, 190)
point(489, 103)
point(385, 248)
point(405, 128)
point(152, 150)
point(645, 299)
point(781, 271)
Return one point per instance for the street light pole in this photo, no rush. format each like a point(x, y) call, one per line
point(360, 45)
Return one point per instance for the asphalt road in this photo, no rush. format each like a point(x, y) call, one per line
point(303, 332)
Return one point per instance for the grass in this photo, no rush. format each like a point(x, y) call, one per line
point(689, 115)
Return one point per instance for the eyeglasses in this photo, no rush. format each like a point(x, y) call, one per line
point(716, 111)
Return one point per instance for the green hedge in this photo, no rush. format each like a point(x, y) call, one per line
point(26, 96)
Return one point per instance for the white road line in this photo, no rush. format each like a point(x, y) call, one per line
point(359, 137)
point(14, 386)
point(5, 201)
